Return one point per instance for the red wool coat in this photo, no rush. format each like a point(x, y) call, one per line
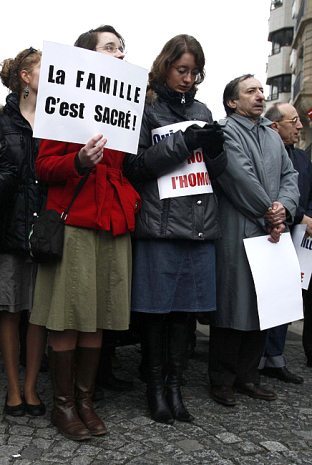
point(107, 201)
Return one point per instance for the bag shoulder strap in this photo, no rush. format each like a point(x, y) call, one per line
point(77, 190)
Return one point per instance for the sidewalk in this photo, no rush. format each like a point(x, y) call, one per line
point(254, 432)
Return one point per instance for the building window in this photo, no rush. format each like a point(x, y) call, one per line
point(281, 38)
point(276, 4)
point(278, 85)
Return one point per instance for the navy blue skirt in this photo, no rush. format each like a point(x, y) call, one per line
point(173, 276)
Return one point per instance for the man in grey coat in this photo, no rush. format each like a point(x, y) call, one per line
point(258, 195)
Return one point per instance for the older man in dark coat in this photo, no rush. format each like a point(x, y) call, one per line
point(286, 122)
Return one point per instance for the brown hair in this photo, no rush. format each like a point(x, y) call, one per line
point(171, 52)
point(11, 67)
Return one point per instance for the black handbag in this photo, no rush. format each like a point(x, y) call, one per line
point(46, 237)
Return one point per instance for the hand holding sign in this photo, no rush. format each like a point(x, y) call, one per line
point(92, 153)
point(190, 177)
point(209, 137)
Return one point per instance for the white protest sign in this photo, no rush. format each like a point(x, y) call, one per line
point(83, 93)
point(276, 274)
point(190, 177)
point(303, 246)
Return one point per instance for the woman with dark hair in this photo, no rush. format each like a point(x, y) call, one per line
point(174, 257)
point(89, 289)
point(20, 199)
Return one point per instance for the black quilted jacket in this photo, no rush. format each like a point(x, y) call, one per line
point(20, 193)
point(190, 217)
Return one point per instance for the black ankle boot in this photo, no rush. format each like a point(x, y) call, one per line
point(175, 402)
point(154, 342)
point(156, 399)
point(178, 339)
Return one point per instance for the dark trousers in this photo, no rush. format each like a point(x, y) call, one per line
point(273, 356)
point(234, 356)
point(307, 322)
point(275, 341)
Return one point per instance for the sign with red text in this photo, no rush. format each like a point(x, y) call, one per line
point(303, 246)
point(190, 177)
point(83, 93)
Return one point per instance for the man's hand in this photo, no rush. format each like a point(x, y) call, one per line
point(276, 232)
point(276, 214)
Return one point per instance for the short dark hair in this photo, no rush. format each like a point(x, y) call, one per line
point(89, 39)
point(273, 113)
point(171, 52)
point(231, 92)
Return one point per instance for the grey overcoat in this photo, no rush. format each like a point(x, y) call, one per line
point(258, 172)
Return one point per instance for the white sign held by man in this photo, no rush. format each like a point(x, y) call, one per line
point(276, 273)
point(82, 93)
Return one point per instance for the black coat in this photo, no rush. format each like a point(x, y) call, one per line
point(303, 165)
point(190, 217)
point(20, 192)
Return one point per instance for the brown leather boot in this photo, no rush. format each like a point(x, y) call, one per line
point(87, 360)
point(64, 414)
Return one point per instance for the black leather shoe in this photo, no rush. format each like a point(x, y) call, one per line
point(255, 391)
point(223, 395)
point(115, 384)
point(35, 410)
point(14, 410)
point(281, 373)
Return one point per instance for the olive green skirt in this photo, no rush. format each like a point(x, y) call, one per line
point(89, 288)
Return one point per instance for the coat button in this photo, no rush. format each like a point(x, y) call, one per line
point(35, 214)
point(36, 182)
point(199, 202)
point(200, 234)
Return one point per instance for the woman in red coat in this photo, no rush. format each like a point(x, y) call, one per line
point(89, 289)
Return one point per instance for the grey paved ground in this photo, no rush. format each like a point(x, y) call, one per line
point(253, 432)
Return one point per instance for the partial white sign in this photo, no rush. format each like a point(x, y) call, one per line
point(303, 246)
point(276, 274)
point(190, 177)
point(83, 93)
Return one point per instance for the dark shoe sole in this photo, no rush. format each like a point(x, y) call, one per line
point(224, 402)
point(256, 396)
point(99, 433)
point(285, 379)
point(165, 421)
point(74, 438)
point(185, 419)
point(71, 436)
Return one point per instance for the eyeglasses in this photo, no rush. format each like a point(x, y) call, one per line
point(185, 71)
point(110, 48)
point(293, 120)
